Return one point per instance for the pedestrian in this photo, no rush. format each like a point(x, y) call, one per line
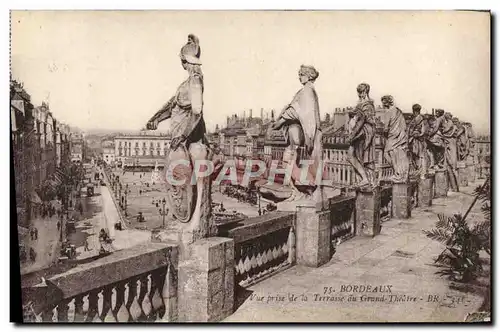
point(58, 225)
point(36, 233)
point(32, 234)
point(86, 245)
point(32, 254)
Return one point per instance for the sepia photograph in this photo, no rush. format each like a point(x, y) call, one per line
point(251, 166)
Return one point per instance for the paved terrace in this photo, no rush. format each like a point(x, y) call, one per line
point(400, 257)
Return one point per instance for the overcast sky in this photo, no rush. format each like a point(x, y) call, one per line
point(114, 70)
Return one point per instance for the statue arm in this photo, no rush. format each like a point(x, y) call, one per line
point(164, 113)
point(423, 129)
point(360, 121)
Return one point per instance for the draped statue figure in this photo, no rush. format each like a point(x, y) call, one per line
point(449, 133)
point(462, 141)
point(300, 122)
point(361, 133)
point(187, 203)
point(417, 132)
point(396, 144)
point(435, 142)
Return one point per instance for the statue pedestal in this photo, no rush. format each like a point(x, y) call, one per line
point(206, 281)
point(401, 200)
point(471, 170)
point(368, 211)
point(463, 180)
point(313, 235)
point(425, 190)
point(441, 184)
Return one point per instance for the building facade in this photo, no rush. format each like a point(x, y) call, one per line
point(108, 151)
point(40, 151)
point(144, 149)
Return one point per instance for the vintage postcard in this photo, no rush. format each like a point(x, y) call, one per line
point(252, 166)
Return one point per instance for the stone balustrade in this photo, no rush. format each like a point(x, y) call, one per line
point(133, 285)
point(342, 219)
point(264, 246)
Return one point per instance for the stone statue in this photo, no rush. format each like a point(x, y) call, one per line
point(471, 140)
point(187, 203)
point(361, 133)
point(462, 141)
point(449, 132)
point(435, 142)
point(396, 144)
point(300, 122)
point(417, 131)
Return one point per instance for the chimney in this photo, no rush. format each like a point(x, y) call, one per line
point(272, 115)
point(250, 114)
point(244, 114)
point(433, 112)
point(262, 113)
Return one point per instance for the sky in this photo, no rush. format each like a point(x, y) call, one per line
point(115, 69)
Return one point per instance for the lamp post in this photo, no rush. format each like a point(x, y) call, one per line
point(126, 193)
point(163, 202)
point(258, 196)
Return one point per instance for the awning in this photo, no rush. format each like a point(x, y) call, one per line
point(18, 104)
point(22, 231)
point(34, 198)
point(274, 189)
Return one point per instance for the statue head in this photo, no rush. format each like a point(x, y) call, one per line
point(448, 116)
point(191, 52)
point(455, 120)
point(387, 101)
point(416, 109)
point(363, 90)
point(439, 112)
point(308, 74)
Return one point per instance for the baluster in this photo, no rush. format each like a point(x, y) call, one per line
point(145, 288)
point(169, 295)
point(258, 270)
point(122, 315)
point(71, 310)
point(134, 308)
point(291, 246)
point(79, 313)
point(107, 306)
point(156, 300)
point(92, 311)
point(62, 311)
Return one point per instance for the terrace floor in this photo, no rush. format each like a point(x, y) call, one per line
point(400, 259)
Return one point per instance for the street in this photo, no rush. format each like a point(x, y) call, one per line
point(102, 214)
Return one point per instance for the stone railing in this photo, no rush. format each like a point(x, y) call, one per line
point(263, 246)
point(134, 285)
point(342, 219)
point(385, 172)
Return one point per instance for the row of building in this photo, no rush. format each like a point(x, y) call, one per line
point(244, 136)
point(42, 151)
